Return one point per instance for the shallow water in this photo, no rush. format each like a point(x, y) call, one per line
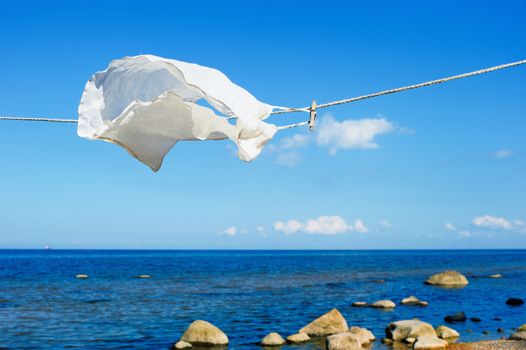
point(246, 294)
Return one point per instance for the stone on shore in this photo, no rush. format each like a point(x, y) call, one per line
point(205, 333)
point(330, 323)
point(401, 330)
point(383, 304)
point(82, 276)
point(359, 304)
point(182, 345)
point(518, 336)
point(489, 345)
point(458, 317)
point(413, 301)
point(514, 301)
point(522, 328)
point(448, 279)
point(272, 339)
point(429, 343)
point(343, 341)
point(446, 332)
point(298, 338)
point(363, 335)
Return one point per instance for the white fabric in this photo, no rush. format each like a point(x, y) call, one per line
point(146, 104)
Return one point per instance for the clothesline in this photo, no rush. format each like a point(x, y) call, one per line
point(325, 105)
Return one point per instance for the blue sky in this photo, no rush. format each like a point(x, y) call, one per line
point(447, 171)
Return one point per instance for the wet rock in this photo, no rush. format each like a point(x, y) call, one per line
point(182, 345)
point(401, 330)
point(514, 301)
point(446, 332)
point(486, 332)
point(497, 319)
point(343, 341)
point(458, 317)
point(448, 279)
point(359, 304)
point(522, 328)
point(383, 304)
point(298, 338)
point(518, 336)
point(387, 341)
point(413, 301)
point(475, 319)
point(363, 335)
point(272, 339)
point(500, 330)
point(429, 343)
point(82, 276)
point(497, 275)
point(410, 340)
point(205, 333)
point(330, 323)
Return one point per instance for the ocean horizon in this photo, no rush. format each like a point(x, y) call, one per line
point(247, 293)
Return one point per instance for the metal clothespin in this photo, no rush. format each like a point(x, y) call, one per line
point(312, 112)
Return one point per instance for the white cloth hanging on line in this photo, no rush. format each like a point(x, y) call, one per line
point(146, 104)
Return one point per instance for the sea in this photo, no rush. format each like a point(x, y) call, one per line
point(245, 293)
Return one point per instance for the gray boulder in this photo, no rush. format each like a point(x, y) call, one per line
point(205, 333)
point(401, 330)
point(448, 279)
point(330, 323)
point(272, 339)
point(343, 341)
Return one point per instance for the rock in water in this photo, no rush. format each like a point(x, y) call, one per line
point(182, 345)
point(363, 335)
point(412, 300)
point(331, 323)
point(143, 276)
point(202, 332)
point(82, 276)
point(446, 332)
point(401, 330)
point(343, 341)
point(448, 279)
point(429, 343)
point(475, 319)
point(272, 339)
point(514, 301)
point(383, 304)
point(458, 317)
point(497, 275)
point(359, 304)
point(518, 336)
point(522, 328)
point(298, 338)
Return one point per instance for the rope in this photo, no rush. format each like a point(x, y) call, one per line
point(410, 87)
point(29, 119)
point(325, 105)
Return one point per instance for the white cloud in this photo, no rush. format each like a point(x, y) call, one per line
point(289, 227)
point(494, 222)
point(449, 226)
point(385, 223)
point(230, 231)
point(289, 159)
point(360, 226)
point(504, 153)
point(351, 134)
point(327, 225)
point(295, 141)
point(323, 225)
